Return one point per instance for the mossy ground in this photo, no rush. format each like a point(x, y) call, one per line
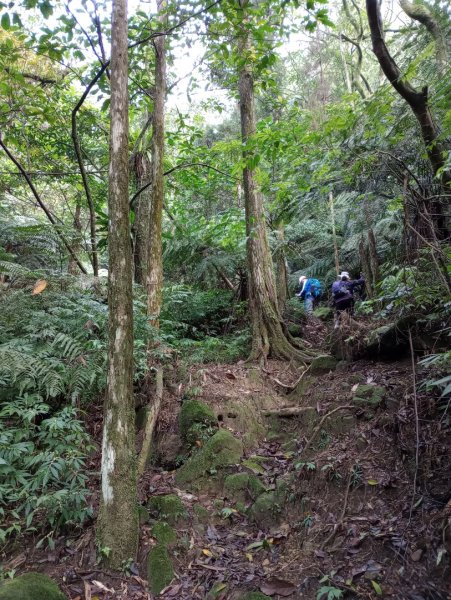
point(30, 586)
point(221, 450)
point(160, 570)
point(164, 533)
point(168, 507)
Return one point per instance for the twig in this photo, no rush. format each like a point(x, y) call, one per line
point(343, 512)
point(320, 424)
point(288, 411)
point(417, 426)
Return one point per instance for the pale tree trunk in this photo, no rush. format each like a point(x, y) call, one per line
point(141, 167)
point(155, 256)
point(118, 518)
point(420, 12)
point(374, 260)
point(268, 335)
point(365, 266)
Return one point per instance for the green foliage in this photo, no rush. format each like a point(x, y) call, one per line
point(42, 463)
point(327, 592)
point(225, 349)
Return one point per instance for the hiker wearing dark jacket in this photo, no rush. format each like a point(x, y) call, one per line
point(343, 294)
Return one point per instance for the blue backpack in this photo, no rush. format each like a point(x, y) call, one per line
point(315, 288)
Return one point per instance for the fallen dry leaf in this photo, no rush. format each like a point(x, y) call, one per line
point(39, 287)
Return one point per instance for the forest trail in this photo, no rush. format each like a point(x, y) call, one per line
point(313, 503)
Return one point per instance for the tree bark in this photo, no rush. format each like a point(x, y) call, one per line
point(281, 271)
point(374, 260)
point(118, 518)
point(72, 267)
point(334, 233)
point(417, 100)
point(141, 167)
point(154, 409)
point(268, 337)
point(154, 279)
point(422, 14)
point(365, 266)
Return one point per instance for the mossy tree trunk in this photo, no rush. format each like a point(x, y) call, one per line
point(268, 335)
point(155, 257)
point(142, 167)
point(281, 270)
point(118, 518)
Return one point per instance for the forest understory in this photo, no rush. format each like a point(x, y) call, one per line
point(351, 504)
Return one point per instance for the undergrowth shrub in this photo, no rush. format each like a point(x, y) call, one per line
point(42, 459)
point(53, 355)
point(192, 313)
point(224, 349)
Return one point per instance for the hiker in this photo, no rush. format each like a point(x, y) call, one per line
point(343, 295)
point(310, 293)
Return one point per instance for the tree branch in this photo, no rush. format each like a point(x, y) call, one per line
point(43, 205)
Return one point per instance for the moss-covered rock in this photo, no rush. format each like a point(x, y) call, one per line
point(266, 510)
point(160, 570)
point(240, 487)
point(30, 586)
point(221, 450)
point(202, 514)
point(169, 508)
point(254, 596)
point(368, 396)
point(195, 416)
point(324, 313)
point(323, 364)
point(163, 533)
point(253, 464)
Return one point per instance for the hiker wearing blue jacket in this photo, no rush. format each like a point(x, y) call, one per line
point(310, 293)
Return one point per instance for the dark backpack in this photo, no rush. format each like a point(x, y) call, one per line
point(342, 291)
point(315, 288)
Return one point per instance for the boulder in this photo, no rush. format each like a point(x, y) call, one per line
point(196, 421)
point(221, 450)
point(30, 586)
point(241, 487)
point(160, 570)
point(266, 511)
point(368, 396)
point(168, 507)
point(323, 364)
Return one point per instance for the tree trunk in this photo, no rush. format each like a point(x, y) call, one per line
point(334, 233)
point(268, 336)
point(421, 13)
point(374, 260)
point(155, 256)
point(141, 167)
point(72, 268)
point(365, 266)
point(118, 518)
point(281, 271)
point(418, 102)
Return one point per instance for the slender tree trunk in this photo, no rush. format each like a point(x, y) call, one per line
point(155, 256)
point(281, 271)
point(268, 336)
point(418, 102)
point(334, 233)
point(365, 266)
point(142, 167)
point(374, 260)
point(73, 267)
point(421, 13)
point(118, 518)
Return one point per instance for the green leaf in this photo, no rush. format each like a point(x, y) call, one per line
point(377, 587)
point(6, 23)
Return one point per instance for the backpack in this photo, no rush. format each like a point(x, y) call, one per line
point(341, 291)
point(315, 288)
